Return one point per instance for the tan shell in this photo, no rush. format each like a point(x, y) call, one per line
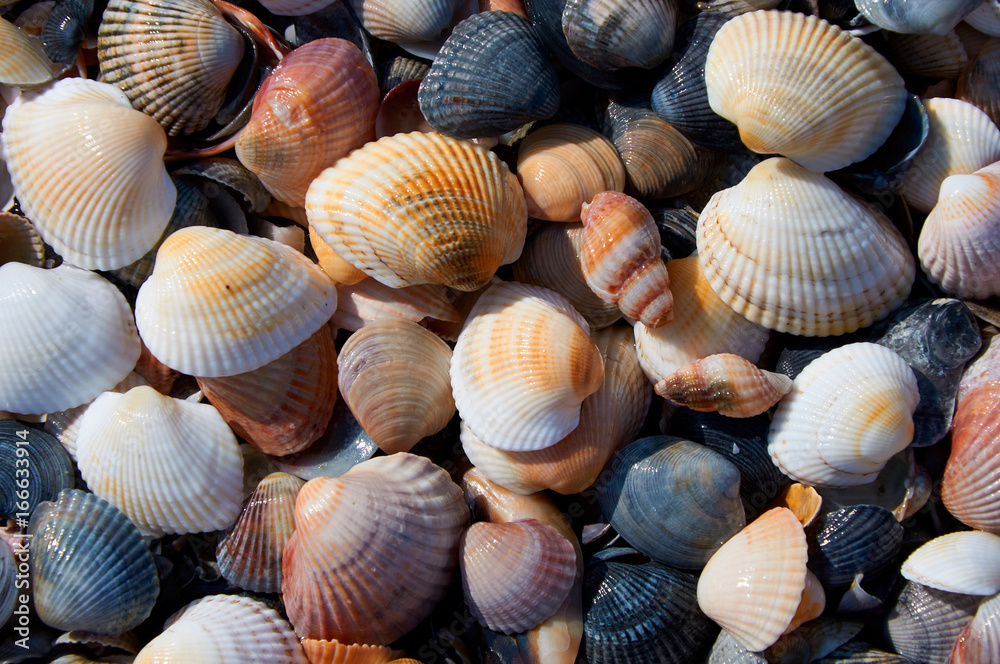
point(368, 300)
point(803, 500)
point(798, 86)
point(335, 652)
point(330, 261)
point(811, 605)
point(933, 56)
point(421, 208)
point(413, 21)
point(19, 241)
point(970, 488)
point(563, 166)
point(725, 383)
point(23, 62)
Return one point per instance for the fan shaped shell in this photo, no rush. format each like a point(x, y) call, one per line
point(966, 562)
point(414, 21)
point(970, 488)
point(334, 652)
point(368, 300)
point(19, 241)
point(610, 34)
point(23, 62)
point(980, 640)
point(924, 622)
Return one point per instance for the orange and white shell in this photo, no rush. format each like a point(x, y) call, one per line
point(563, 166)
point(368, 300)
point(335, 267)
point(421, 209)
point(88, 170)
point(522, 367)
point(317, 105)
point(725, 383)
point(790, 250)
point(970, 488)
point(621, 258)
point(23, 62)
point(965, 562)
point(848, 413)
point(331, 651)
point(399, 516)
point(171, 466)
point(221, 304)
point(798, 86)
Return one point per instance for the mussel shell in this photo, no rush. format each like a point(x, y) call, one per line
point(855, 540)
point(49, 469)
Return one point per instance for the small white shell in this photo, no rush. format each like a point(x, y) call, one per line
point(965, 562)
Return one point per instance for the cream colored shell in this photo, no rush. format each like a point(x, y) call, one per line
point(23, 63)
point(966, 562)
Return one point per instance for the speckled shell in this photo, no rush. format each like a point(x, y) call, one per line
point(334, 652)
point(171, 466)
point(400, 515)
point(933, 56)
point(394, 376)
point(317, 106)
point(88, 171)
point(801, 87)
point(840, 265)
point(610, 34)
point(522, 367)
point(66, 335)
point(980, 640)
point(414, 21)
point(19, 241)
point(368, 300)
point(966, 562)
point(725, 383)
point(970, 488)
point(137, 37)
point(848, 413)
point(221, 304)
point(421, 208)
point(916, 16)
point(224, 629)
point(563, 166)
point(23, 62)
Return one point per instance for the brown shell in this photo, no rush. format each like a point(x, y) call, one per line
point(970, 488)
point(725, 383)
point(19, 241)
point(334, 652)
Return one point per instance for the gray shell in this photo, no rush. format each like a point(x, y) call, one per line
point(49, 468)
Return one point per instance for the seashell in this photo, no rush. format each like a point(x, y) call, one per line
point(803, 500)
point(703, 325)
point(642, 614)
point(910, 16)
point(551, 259)
point(399, 112)
point(901, 487)
point(522, 367)
point(962, 140)
point(24, 63)
point(753, 585)
point(811, 605)
point(233, 175)
point(68, 336)
point(395, 70)
point(65, 29)
point(611, 34)
point(284, 406)
point(979, 641)
point(984, 368)
point(225, 629)
point(737, 7)
point(971, 482)
point(516, 574)
point(858, 652)
point(147, 454)
point(49, 469)
point(855, 540)
point(491, 76)
point(964, 562)
point(66, 170)
point(369, 300)
point(90, 568)
point(399, 513)
point(244, 287)
point(977, 83)
point(985, 18)
point(394, 376)
point(959, 240)
point(924, 622)
point(812, 441)
point(846, 101)
point(859, 268)
point(930, 55)
point(563, 166)
point(674, 500)
point(8, 574)
point(335, 652)
point(330, 261)
point(469, 220)
point(19, 241)
point(137, 36)
point(317, 106)
point(725, 383)
point(425, 20)
point(609, 419)
point(249, 553)
point(621, 258)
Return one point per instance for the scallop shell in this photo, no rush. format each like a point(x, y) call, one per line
point(933, 56)
point(840, 266)
point(284, 406)
point(49, 469)
point(415, 21)
point(832, 101)
point(980, 640)
point(753, 585)
point(249, 553)
point(924, 622)
point(221, 304)
point(400, 515)
point(848, 413)
point(916, 16)
point(369, 300)
point(67, 335)
point(610, 34)
point(317, 106)
point(137, 36)
point(970, 488)
point(522, 367)
point(725, 383)
point(965, 562)
point(19, 241)
point(100, 198)
point(335, 652)
point(90, 568)
point(171, 466)
point(224, 629)
point(962, 140)
point(468, 219)
point(23, 62)
point(394, 376)
point(978, 82)
point(563, 166)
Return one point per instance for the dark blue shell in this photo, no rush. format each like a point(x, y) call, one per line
point(38, 472)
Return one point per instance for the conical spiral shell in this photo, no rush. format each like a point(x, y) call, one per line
point(798, 86)
point(970, 488)
point(966, 562)
point(171, 466)
point(23, 62)
point(88, 170)
point(753, 585)
point(66, 335)
point(725, 383)
point(421, 208)
point(221, 304)
point(373, 550)
point(19, 241)
point(394, 376)
point(522, 367)
point(848, 413)
point(368, 300)
point(334, 652)
point(137, 37)
point(790, 250)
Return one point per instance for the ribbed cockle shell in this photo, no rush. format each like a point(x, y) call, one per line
point(610, 34)
point(725, 383)
point(970, 488)
point(966, 562)
point(23, 63)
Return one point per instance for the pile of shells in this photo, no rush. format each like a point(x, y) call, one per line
point(545, 331)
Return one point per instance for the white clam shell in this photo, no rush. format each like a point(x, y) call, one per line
point(966, 562)
point(23, 63)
